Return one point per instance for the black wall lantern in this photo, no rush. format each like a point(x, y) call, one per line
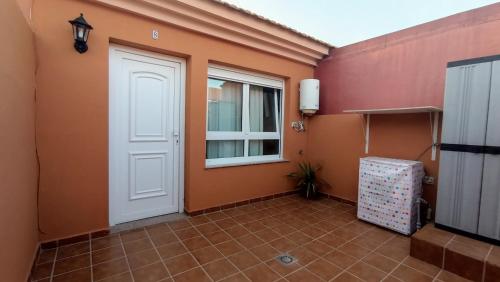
point(81, 30)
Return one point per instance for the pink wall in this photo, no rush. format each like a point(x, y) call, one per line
point(406, 68)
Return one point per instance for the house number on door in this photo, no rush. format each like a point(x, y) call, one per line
point(155, 34)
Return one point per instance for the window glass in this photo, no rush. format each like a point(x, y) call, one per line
point(224, 105)
point(224, 149)
point(263, 147)
point(262, 109)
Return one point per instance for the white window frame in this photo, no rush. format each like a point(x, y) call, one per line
point(247, 79)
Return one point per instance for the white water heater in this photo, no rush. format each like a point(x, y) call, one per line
point(309, 96)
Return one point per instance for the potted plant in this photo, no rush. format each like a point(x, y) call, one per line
point(308, 181)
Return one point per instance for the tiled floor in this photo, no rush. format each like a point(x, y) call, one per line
point(241, 244)
point(466, 257)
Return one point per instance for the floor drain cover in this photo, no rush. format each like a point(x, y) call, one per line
point(286, 259)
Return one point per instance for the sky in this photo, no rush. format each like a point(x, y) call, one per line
point(343, 22)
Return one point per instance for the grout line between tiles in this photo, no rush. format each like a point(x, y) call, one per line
point(156, 250)
point(126, 257)
point(483, 277)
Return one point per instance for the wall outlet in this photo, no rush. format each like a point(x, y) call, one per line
point(428, 180)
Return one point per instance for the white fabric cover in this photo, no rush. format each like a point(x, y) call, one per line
point(388, 192)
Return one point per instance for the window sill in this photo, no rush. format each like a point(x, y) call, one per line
point(245, 163)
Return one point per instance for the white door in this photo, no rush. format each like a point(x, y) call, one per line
point(146, 130)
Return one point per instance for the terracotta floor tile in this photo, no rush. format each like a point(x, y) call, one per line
point(73, 250)
point(250, 241)
point(229, 247)
point(206, 255)
point(344, 234)
point(46, 256)
point(283, 269)
point(303, 255)
point(218, 237)
point(143, 258)
point(208, 228)
point(171, 250)
point(446, 276)
point(133, 235)
point(105, 242)
point(187, 233)
point(318, 248)
point(408, 274)
point(157, 229)
point(354, 250)
point(150, 273)
point(283, 244)
point(180, 264)
point(80, 275)
point(270, 222)
point(391, 278)
point(340, 259)
point(179, 224)
point(265, 252)
point(199, 219)
point(324, 269)
point(42, 270)
point(422, 266)
point(254, 226)
point(302, 275)
point(163, 239)
point(196, 274)
point(244, 259)
point(432, 234)
point(284, 230)
point(109, 268)
point(261, 273)
point(226, 223)
point(366, 272)
point(239, 277)
point(137, 246)
point(122, 277)
point(464, 260)
point(216, 215)
point(313, 232)
point(110, 253)
point(267, 235)
point(394, 252)
point(346, 277)
point(72, 263)
point(380, 262)
point(298, 237)
point(196, 243)
point(237, 231)
point(219, 269)
point(332, 240)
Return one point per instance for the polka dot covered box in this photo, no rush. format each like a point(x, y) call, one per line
point(388, 192)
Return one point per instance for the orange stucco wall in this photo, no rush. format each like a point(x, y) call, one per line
point(18, 170)
point(73, 114)
point(337, 142)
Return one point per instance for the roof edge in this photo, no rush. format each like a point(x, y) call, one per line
point(227, 22)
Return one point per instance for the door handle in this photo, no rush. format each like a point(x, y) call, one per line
point(176, 136)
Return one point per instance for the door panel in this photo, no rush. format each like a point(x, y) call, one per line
point(466, 104)
point(460, 177)
point(464, 122)
point(145, 109)
point(489, 219)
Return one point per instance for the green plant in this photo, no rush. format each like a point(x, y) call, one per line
point(307, 179)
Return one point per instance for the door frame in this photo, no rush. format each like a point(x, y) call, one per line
point(112, 134)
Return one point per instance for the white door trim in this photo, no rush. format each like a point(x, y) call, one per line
point(178, 158)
